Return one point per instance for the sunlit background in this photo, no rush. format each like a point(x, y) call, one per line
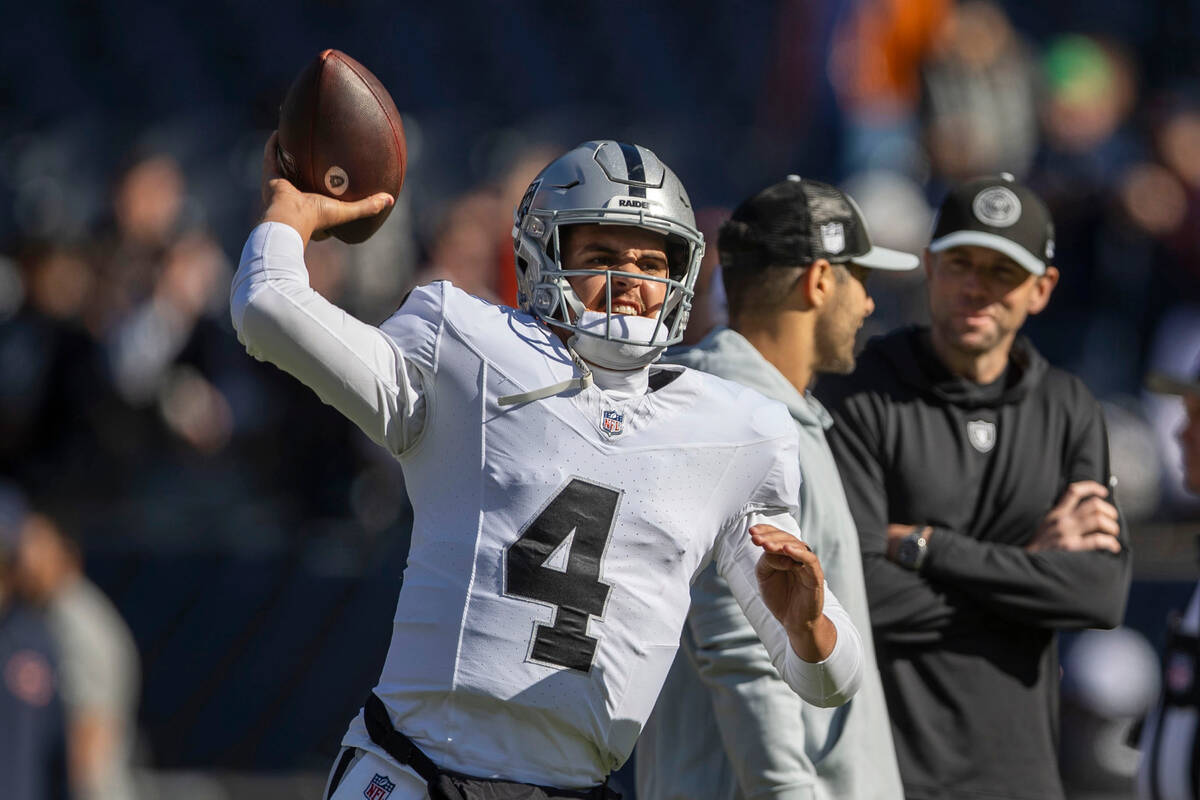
point(254, 541)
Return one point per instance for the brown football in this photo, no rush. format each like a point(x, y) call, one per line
point(341, 135)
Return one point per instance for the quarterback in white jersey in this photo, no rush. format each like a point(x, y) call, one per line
point(565, 493)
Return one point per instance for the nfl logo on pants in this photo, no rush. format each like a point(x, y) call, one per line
point(379, 788)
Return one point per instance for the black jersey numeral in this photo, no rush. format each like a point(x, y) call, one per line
point(584, 513)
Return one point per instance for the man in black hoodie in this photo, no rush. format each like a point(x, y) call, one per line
point(979, 479)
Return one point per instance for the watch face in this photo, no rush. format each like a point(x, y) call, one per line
point(910, 551)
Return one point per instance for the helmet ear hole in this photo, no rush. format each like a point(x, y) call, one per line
point(678, 256)
point(558, 242)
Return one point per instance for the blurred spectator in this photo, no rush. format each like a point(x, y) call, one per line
point(33, 763)
point(898, 217)
point(1170, 766)
point(875, 66)
point(1091, 166)
point(1175, 350)
point(472, 246)
point(100, 666)
point(519, 172)
point(708, 302)
point(148, 201)
point(978, 103)
point(163, 273)
point(1135, 461)
point(54, 382)
point(1110, 680)
point(464, 247)
point(1176, 195)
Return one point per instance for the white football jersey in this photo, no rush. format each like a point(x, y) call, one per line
point(554, 542)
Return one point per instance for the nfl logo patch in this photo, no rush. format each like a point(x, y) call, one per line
point(379, 789)
point(833, 237)
point(611, 423)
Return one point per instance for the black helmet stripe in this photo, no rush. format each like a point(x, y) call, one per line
point(635, 169)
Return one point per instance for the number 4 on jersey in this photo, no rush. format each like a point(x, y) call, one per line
point(557, 561)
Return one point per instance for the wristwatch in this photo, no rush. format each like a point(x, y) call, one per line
point(913, 549)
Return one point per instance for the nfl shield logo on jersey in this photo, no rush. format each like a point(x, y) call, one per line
point(379, 789)
point(611, 423)
point(982, 434)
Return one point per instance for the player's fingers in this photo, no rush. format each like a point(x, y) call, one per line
point(777, 562)
point(1100, 506)
point(792, 559)
point(1079, 490)
point(1099, 523)
point(771, 535)
point(778, 542)
point(1101, 541)
point(769, 532)
point(808, 572)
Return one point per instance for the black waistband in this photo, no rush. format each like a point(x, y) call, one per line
point(404, 751)
point(397, 745)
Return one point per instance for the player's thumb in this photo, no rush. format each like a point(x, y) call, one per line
point(367, 207)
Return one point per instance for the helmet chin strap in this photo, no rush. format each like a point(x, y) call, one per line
point(582, 382)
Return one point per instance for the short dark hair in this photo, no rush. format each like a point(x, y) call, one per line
point(759, 290)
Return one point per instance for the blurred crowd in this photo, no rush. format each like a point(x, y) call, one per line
point(131, 415)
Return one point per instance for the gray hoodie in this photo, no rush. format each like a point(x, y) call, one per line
point(726, 726)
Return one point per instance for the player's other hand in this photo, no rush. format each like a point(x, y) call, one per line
point(309, 213)
point(1081, 520)
point(792, 585)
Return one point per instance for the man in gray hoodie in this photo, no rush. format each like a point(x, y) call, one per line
point(794, 260)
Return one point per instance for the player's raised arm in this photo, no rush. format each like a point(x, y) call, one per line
point(352, 366)
point(778, 582)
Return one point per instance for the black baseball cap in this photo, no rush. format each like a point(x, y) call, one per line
point(1001, 214)
point(798, 221)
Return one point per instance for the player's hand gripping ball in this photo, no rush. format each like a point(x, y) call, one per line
point(340, 135)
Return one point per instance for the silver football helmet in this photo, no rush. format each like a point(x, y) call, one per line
point(607, 183)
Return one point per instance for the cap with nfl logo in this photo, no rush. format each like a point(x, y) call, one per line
point(798, 221)
point(1000, 214)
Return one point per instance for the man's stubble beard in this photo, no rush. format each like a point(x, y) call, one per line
point(833, 341)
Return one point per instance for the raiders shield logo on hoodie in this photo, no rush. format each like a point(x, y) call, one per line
point(981, 434)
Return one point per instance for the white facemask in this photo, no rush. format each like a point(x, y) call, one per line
point(610, 354)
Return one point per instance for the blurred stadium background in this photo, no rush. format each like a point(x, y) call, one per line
point(253, 540)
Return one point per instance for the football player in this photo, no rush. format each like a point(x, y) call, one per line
point(565, 491)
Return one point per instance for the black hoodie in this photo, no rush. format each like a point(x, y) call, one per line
point(966, 646)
